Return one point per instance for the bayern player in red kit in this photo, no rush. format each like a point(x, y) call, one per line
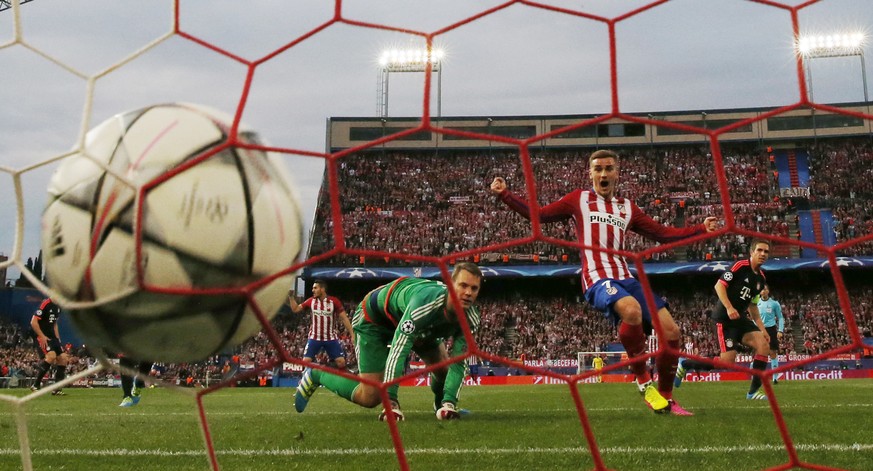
point(602, 220)
point(322, 333)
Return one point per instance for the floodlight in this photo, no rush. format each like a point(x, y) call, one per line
point(409, 60)
point(831, 45)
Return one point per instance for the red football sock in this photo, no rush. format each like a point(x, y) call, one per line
point(634, 340)
point(666, 363)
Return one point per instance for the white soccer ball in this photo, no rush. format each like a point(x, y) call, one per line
point(169, 240)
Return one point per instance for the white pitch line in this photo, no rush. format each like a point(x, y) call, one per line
point(193, 412)
point(855, 447)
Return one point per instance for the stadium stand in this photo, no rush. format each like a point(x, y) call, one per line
point(449, 209)
point(541, 320)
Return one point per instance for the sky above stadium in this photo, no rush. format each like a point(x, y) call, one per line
point(519, 60)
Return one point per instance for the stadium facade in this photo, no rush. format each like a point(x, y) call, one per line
point(784, 128)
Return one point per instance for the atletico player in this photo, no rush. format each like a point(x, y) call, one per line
point(404, 316)
point(322, 332)
point(602, 219)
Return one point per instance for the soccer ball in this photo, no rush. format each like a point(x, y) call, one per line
point(163, 229)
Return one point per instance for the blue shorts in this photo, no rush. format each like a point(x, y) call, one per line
point(332, 347)
point(606, 292)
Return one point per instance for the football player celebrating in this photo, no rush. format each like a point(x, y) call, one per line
point(737, 316)
point(602, 220)
point(409, 315)
point(322, 332)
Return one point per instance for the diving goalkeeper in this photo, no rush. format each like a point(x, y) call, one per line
point(409, 314)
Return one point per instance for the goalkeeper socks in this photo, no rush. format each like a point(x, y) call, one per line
point(774, 363)
point(342, 387)
point(666, 363)
point(633, 339)
point(760, 364)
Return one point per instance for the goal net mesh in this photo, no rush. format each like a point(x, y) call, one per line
point(93, 82)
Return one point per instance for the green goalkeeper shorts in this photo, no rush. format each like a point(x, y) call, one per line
point(371, 346)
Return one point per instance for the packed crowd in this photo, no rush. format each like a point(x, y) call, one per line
point(517, 322)
point(558, 328)
point(19, 359)
point(540, 326)
point(435, 205)
point(841, 178)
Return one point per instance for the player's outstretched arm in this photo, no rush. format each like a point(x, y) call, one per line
point(643, 224)
point(498, 185)
point(556, 211)
point(710, 224)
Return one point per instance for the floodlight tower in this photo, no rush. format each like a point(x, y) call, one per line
point(832, 45)
point(409, 60)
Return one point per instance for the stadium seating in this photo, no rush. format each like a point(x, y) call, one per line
point(537, 322)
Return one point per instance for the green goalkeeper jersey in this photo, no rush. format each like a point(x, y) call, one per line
point(418, 312)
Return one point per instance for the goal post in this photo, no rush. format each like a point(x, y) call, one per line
point(584, 359)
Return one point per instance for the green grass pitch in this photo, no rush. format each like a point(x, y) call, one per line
point(509, 427)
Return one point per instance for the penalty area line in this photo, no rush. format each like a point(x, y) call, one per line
point(855, 447)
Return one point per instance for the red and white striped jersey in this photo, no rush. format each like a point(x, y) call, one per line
point(324, 317)
point(602, 223)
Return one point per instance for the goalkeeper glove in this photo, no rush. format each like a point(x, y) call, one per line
point(447, 412)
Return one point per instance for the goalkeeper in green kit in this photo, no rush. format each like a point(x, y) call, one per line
point(404, 316)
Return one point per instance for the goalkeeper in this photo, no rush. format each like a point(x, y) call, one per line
point(597, 364)
point(409, 315)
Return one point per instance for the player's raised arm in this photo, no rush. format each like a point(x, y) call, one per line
point(710, 224)
point(557, 211)
point(647, 227)
point(498, 185)
point(296, 308)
